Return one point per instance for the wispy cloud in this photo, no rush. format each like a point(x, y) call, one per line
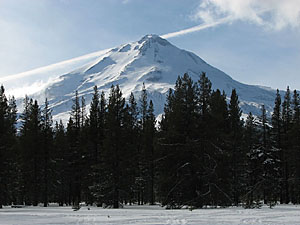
point(196, 28)
point(270, 14)
point(51, 67)
point(28, 89)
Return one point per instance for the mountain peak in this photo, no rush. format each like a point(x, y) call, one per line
point(154, 38)
point(150, 36)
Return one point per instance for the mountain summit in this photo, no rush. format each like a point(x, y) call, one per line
point(151, 60)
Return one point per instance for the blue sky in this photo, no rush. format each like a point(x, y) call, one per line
point(254, 41)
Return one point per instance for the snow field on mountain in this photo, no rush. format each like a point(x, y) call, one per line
point(152, 60)
point(150, 215)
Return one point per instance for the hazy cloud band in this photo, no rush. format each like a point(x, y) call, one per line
point(196, 28)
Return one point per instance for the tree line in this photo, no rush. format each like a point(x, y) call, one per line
point(200, 153)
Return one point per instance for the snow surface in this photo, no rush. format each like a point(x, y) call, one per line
point(150, 215)
point(151, 60)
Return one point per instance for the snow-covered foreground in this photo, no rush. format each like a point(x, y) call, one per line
point(286, 214)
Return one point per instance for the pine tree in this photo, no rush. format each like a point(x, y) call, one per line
point(13, 155)
point(47, 137)
point(277, 121)
point(269, 158)
point(79, 150)
point(276, 136)
point(143, 106)
point(219, 111)
point(31, 154)
point(61, 165)
point(265, 148)
point(113, 145)
point(84, 154)
point(146, 156)
point(74, 138)
point(236, 155)
point(94, 139)
point(95, 124)
point(204, 94)
point(150, 134)
point(217, 131)
point(72, 163)
point(286, 148)
point(3, 145)
point(143, 154)
point(254, 166)
point(131, 151)
point(295, 154)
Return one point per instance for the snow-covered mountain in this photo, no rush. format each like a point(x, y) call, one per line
point(151, 60)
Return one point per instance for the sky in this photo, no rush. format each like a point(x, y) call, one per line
point(253, 41)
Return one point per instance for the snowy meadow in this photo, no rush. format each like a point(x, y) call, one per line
point(150, 215)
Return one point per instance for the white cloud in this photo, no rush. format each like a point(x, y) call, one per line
point(196, 28)
point(19, 92)
point(271, 14)
point(52, 67)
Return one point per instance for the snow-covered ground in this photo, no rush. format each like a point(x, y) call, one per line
point(283, 214)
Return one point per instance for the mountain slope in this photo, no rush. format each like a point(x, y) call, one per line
point(153, 61)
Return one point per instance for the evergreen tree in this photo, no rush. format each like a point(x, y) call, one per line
point(254, 163)
point(97, 128)
point(217, 131)
point(31, 154)
point(47, 138)
point(143, 106)
point(219, 113)
point(72, 163)
point(276, 136)
point(264, 148)
point(114, 146)
point(143, 154)
point(95, 125)
point(132, 186)
point(295, 154)
point(84, 154)
point(235, 153)
point(270, 167)
point(150, 135)
point(3, 117)
point(74, 138)
point(286, 148)
point(94, 139)
point(204, 94)
point(146, 155)
point(7, 150)
point(61, 166)
point(12, 156)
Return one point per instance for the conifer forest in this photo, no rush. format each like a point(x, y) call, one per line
point(201, 152)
